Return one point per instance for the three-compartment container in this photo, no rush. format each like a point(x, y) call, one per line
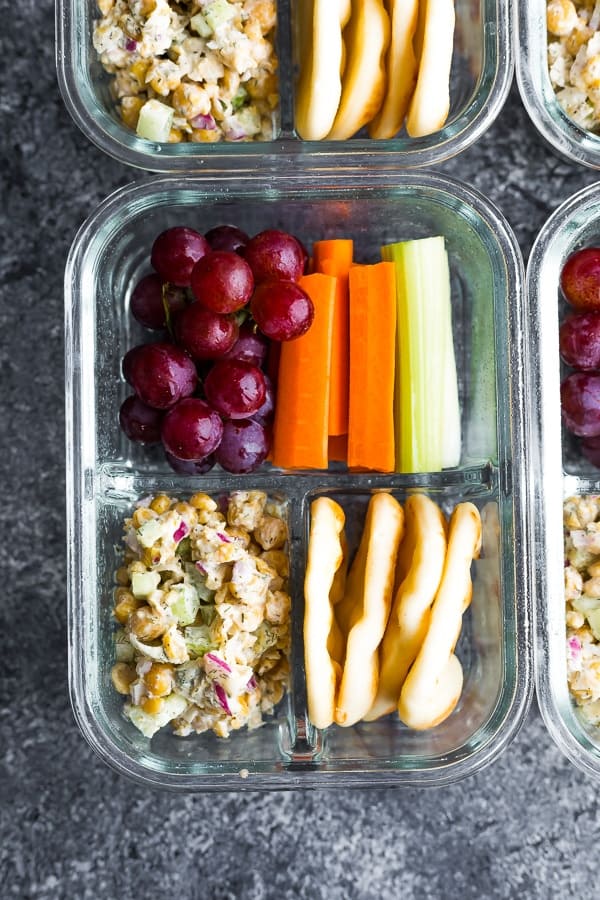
point(480, 80)
point(562, 470)
point(107, 474)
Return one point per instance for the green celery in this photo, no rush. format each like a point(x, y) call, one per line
point(427, 413)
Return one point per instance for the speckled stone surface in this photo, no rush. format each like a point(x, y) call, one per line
point(69, 827)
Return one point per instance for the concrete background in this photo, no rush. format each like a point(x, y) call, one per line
point(71, 828)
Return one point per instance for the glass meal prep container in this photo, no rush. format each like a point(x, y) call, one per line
point(566, 472)
point(537, 92)
point(480, 79)
point(107, 474)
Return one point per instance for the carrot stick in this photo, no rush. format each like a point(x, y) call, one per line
point(372, 365)
point(339, 251)
point(335, 258)
point(300, 430)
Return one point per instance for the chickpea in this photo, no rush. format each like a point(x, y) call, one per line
point(561, 17)
point(146, 624)
point(122, 676)
point(152, 705)
point(160, 504)
point(159, 679)
point(122, 576)
point(141, 515)
point(126, 605)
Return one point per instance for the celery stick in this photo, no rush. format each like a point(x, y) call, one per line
point(427, 414)
point(451, 436)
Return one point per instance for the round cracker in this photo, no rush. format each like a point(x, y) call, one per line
point(364, 83)
point(321, 640)
point(421, 557)
point(365, 609)
point(429, 693)
point(401, 67)
point(430, 102)
point(322, 57)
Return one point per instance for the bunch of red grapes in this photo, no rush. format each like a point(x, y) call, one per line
point(202, 391)
point(580, 349)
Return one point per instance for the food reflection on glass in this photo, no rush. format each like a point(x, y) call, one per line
point(378, 63)
point(380, 635)
point(192, 71)
point(265, 353)
point(204, 613)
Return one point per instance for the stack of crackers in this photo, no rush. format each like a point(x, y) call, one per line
point(379, 63)
point(380, 635)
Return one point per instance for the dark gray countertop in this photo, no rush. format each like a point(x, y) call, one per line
point(71, 828)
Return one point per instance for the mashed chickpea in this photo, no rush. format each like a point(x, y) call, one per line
point(195, 70)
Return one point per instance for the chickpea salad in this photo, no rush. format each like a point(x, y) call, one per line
point(574, 58)
point(204, 613)
point(192, 70)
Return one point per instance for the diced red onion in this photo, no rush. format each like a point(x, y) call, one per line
point(222, 698)
point(137, 693)
point(235, 132)
point(206, 122)
point(224, 537)
point(131, 45)
point(217, 661)
point(243, 570)
point(252, 684)
point(201, 568)
point(132, 541)
point(574, 645)
point(181, 532)
point(143, 666)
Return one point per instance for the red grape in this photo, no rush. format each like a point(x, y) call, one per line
point(236, 389)
point(222, 281)
point(265, 414)
point(244, 446)
point(147, 304)
point(128, 361)
point(191, 430)
point(580, 341)
point(162, 374)
point(282, 310)
point(204, 334)
point(580, 279)
point(140, 423)
point(227, 237)
point(275, 254)
point(251, 346)
point(580, 398)
point(175, 253)
point(191, 466)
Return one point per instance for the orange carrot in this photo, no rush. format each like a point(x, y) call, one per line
point(372, 364)
point(335, 258)
point(300, 430)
